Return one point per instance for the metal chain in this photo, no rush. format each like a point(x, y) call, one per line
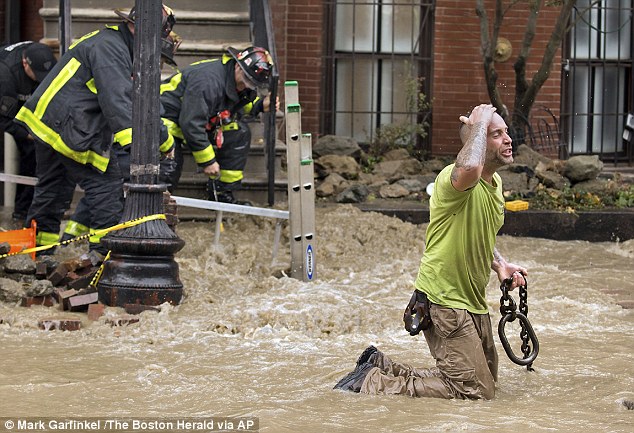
point(508, 310)
point(526, 348)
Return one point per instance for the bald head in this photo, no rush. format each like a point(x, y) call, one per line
point(465, 126)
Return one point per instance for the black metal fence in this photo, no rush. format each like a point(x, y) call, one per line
point(374, 51)
point(598, 82)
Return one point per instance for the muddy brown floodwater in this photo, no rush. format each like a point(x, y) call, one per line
point(246, 343)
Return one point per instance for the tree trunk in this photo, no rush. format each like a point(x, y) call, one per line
point(525, 91)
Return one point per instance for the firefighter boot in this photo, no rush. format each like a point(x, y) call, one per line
point(218, 191)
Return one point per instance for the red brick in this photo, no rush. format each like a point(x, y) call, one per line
point(63, 296)
point(81, 302)
point(122, 320)
point(40, 270)
point(95, 311)
point(47, 301)
point(78, 281)
point(58, 275)
point(59, 323)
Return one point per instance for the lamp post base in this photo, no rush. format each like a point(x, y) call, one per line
point(141, 268)
point(144, 280)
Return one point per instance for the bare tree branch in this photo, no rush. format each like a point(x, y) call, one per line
point(525, 90)
point(488, 48)
point(521, 83)
point(527, 98)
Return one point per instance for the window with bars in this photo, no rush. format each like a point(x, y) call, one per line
point(373, 49)
point(598, 81)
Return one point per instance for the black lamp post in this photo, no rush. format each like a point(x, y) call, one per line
point(141, 268)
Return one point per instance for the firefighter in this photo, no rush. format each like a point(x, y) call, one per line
point(23, 66)
point(205, 105)
point(77, 115)
point(77, 225)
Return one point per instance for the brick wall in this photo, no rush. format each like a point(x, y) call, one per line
point(458, 78)
point(31, 25)
point(458, 81)
point(303, 49)
point(279, 12)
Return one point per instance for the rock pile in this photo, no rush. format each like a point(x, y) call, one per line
point(340, 175)
point(46, 281)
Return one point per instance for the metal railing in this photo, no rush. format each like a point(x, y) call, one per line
point(541, 132)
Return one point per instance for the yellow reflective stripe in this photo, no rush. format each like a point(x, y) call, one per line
point(205, 155)
point(83, 38)
point(91, 86)
point(58, 82)
point(173, 128)
point(46, 238)
point(230, 176)
point(226, 58)
point(248, 107)
point(207, 61)
point(47, 135)
point(76, 229)
point(123, 137)
point(167, 144)
point(233, 126)
point(172, 84)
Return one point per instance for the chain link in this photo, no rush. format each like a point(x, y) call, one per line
point(508, 310)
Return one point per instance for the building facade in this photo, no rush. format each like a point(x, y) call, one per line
point(358, 64)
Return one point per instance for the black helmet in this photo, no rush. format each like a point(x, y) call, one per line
point(169, 45)
point(168, 19)
point(255, 62)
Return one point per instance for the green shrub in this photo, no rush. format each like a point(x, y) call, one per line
point(621, 196)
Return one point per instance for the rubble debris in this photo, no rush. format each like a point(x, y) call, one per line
point(139, 308)
point(95, 311)
point(46, 300)
point(122, 320)
point(5, 247)
point(81, 302)
point(60, 324)
point(63, 295)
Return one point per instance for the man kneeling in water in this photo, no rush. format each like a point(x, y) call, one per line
point(466, 213)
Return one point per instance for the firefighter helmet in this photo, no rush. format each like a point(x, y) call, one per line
point(255, 62)
point(166, 26)
point(169, 45)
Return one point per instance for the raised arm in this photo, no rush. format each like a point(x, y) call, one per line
point(470, 160)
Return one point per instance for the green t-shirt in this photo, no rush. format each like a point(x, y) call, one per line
point(460, 239)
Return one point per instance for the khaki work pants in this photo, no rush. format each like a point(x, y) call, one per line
point(466, 361)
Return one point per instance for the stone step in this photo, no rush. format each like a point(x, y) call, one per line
point(256, 162)
point(202, 30)
point(178, 6)
point(190, 52)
